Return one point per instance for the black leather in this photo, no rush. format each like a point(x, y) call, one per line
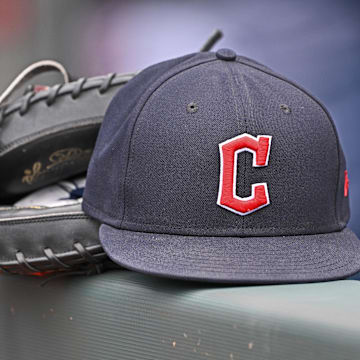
point(30, 230)
point(49, 136)
point(49, 158)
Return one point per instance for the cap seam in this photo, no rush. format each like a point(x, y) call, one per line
point(230, 74)
point(181, 227)
point(332, 124)
point(87, 203)
point(246, 114)
point(144, 102)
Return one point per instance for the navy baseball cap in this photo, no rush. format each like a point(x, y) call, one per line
point(213, 167)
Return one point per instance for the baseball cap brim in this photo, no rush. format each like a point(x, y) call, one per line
point(262, 260)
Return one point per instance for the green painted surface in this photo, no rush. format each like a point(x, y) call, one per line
point(124, 315)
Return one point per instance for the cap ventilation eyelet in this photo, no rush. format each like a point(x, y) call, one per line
point(192, 107)
point(285, 108)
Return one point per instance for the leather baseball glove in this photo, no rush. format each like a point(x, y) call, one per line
point(48, 134)
point(47, 231)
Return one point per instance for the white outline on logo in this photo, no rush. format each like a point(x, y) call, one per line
point(252, 196)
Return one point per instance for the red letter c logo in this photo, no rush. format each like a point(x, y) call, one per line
point(229, 150)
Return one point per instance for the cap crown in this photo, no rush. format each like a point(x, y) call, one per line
point(157, 161)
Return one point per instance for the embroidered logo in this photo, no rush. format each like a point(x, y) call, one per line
point(259, 147)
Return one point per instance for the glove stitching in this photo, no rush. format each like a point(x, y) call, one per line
point(51, 258)
point(88, 84)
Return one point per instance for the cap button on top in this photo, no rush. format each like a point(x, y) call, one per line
point(226, 54)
